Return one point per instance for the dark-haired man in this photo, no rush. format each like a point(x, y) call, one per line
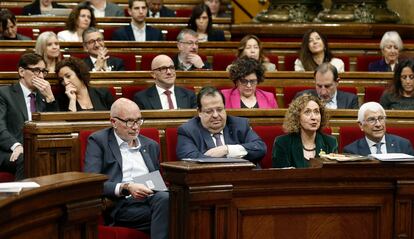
point(215, 134)
point(17, 102)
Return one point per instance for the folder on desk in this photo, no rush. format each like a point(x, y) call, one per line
point(152, 180)
point(393, 157)
point(216, 160)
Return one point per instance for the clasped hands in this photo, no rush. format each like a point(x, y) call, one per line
point(195, 60)
point(101, 63)
point(139, 191)
point(217, 152)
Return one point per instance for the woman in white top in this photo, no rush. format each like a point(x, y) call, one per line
point(47, 45)
point(314, 51)
point(78, 21)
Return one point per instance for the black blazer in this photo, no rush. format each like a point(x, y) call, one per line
point(126, 34)
point(149, 99)
point(344, 100)
point(206, 66)
point(164, 12)
point(216, 35)
point(34, 8)
point(101, 99)
point(116, 63)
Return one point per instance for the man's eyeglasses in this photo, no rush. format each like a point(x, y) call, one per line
point(246, 82)
point(407, 77)
point(131, 123)
point(373, 120)
point(94, 41)
point(190, 43)
point(37, 70)
point(164, 69)
point(211, 111)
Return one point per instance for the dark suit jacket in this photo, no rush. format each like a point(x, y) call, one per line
point(101, 99)
point(194, 140)
point(379, 66)
point(104, 156)
point(206, 66)
point(13, 114)
point(394, 143)
point(116, 63)
point(216, 35)
point(165, 12)
point(288, 149)
point(34, 8)
point(126, 34)
point(149, 99)
point(344, 100)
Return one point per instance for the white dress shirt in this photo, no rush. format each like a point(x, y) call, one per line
point(164, 98)
point(26, 93)
point(333, 103)
point(139, 33)
point(373, 148)
point(99, 12)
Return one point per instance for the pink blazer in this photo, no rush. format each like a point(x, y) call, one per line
point(265, 100)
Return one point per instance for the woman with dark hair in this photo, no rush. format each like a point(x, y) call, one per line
point(215, 9)
point(38, 7)
point(246, 73)
point(74, 75)
point(251, 47)
point(400, 94)
point(314, 51)
point(79, 20)
point(8, 26)
point(303, 123)
point(202, 23)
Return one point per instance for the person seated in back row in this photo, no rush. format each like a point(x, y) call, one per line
point(157, 9)
point(326, 83)
point(391, 45)
point(8, 26)
point(188, 58)
point(164, 94)
point(371, 120)
point(137, 30)
point(40, 7)
point(104, 8)
point(98, 59)
point(202, 23)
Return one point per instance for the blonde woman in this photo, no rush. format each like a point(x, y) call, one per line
point(47, 45)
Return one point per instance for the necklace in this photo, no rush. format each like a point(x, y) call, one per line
point(309, 150)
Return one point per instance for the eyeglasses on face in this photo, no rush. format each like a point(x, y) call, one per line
point(164, 69)
point(131, 123)
point(373, 120)
point(407, 77)
point(37, 70)
point(94, 41)
point(246, 82)
point(211, 111)
point(190, 43)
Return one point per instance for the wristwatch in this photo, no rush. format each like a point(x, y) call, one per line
point(124, 189)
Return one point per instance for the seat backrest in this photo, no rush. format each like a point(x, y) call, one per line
point(130, 62)
point(26, 31)
point(268, 135)
point(347, 135)
point(221, 61)
point(146, 61)
point(6, 177)
point(404, 132)
point(171, 143)
point(184, 12)
point(129, 91)
point(345, 59)
point(362, 62)
point(172, 34)
point(373, 93)
point(289, 93)
point(274, 59)
point(52, 29)
point(9, 61)
point(290, 62)
point(349, 89)
point(151, 133)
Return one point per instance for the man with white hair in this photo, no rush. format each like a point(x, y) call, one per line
point(371, 120)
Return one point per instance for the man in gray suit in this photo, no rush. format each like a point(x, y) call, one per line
point(164, 94)
point(326, 84)
point(121, 153)
point(17, 102)
point(371, 120)
point(103, 8)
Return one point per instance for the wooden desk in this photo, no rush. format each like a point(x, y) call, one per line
point(368, 200)
point(65, 206)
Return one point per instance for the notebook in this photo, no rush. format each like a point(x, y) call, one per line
point(59, 12)
point(393, 157)
point(216, 160)
point(152, 180)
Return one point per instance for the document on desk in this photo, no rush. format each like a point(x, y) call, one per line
point(153, 181)
point(216, 160)
point(16, 187)
point(393, 157)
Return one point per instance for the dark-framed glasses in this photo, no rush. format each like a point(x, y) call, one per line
point(246, 82)
point(373, 120)
point(94, 41)
point(37, 70)
point(130, 123)
point(164, 69)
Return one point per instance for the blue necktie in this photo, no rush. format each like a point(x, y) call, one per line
point(378, 146)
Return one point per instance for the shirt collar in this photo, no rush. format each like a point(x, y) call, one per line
point(372, 143)
point(25, 90)
point(161, 90)
point(135, 28)
point(121, 141)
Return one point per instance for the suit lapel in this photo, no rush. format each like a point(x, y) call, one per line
point(391, 145)
point(20, 100)
point(228, 133)
point(363, 147)
point(130, 33)
point(205, 134)
point(180, 98)
point(339, 100)
point(154, 98)
point(114, 147)
point(145, 155)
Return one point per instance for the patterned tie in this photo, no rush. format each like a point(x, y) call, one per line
point(170, 103)
point(378, 146)
point(32, 102)
point(218, 139)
